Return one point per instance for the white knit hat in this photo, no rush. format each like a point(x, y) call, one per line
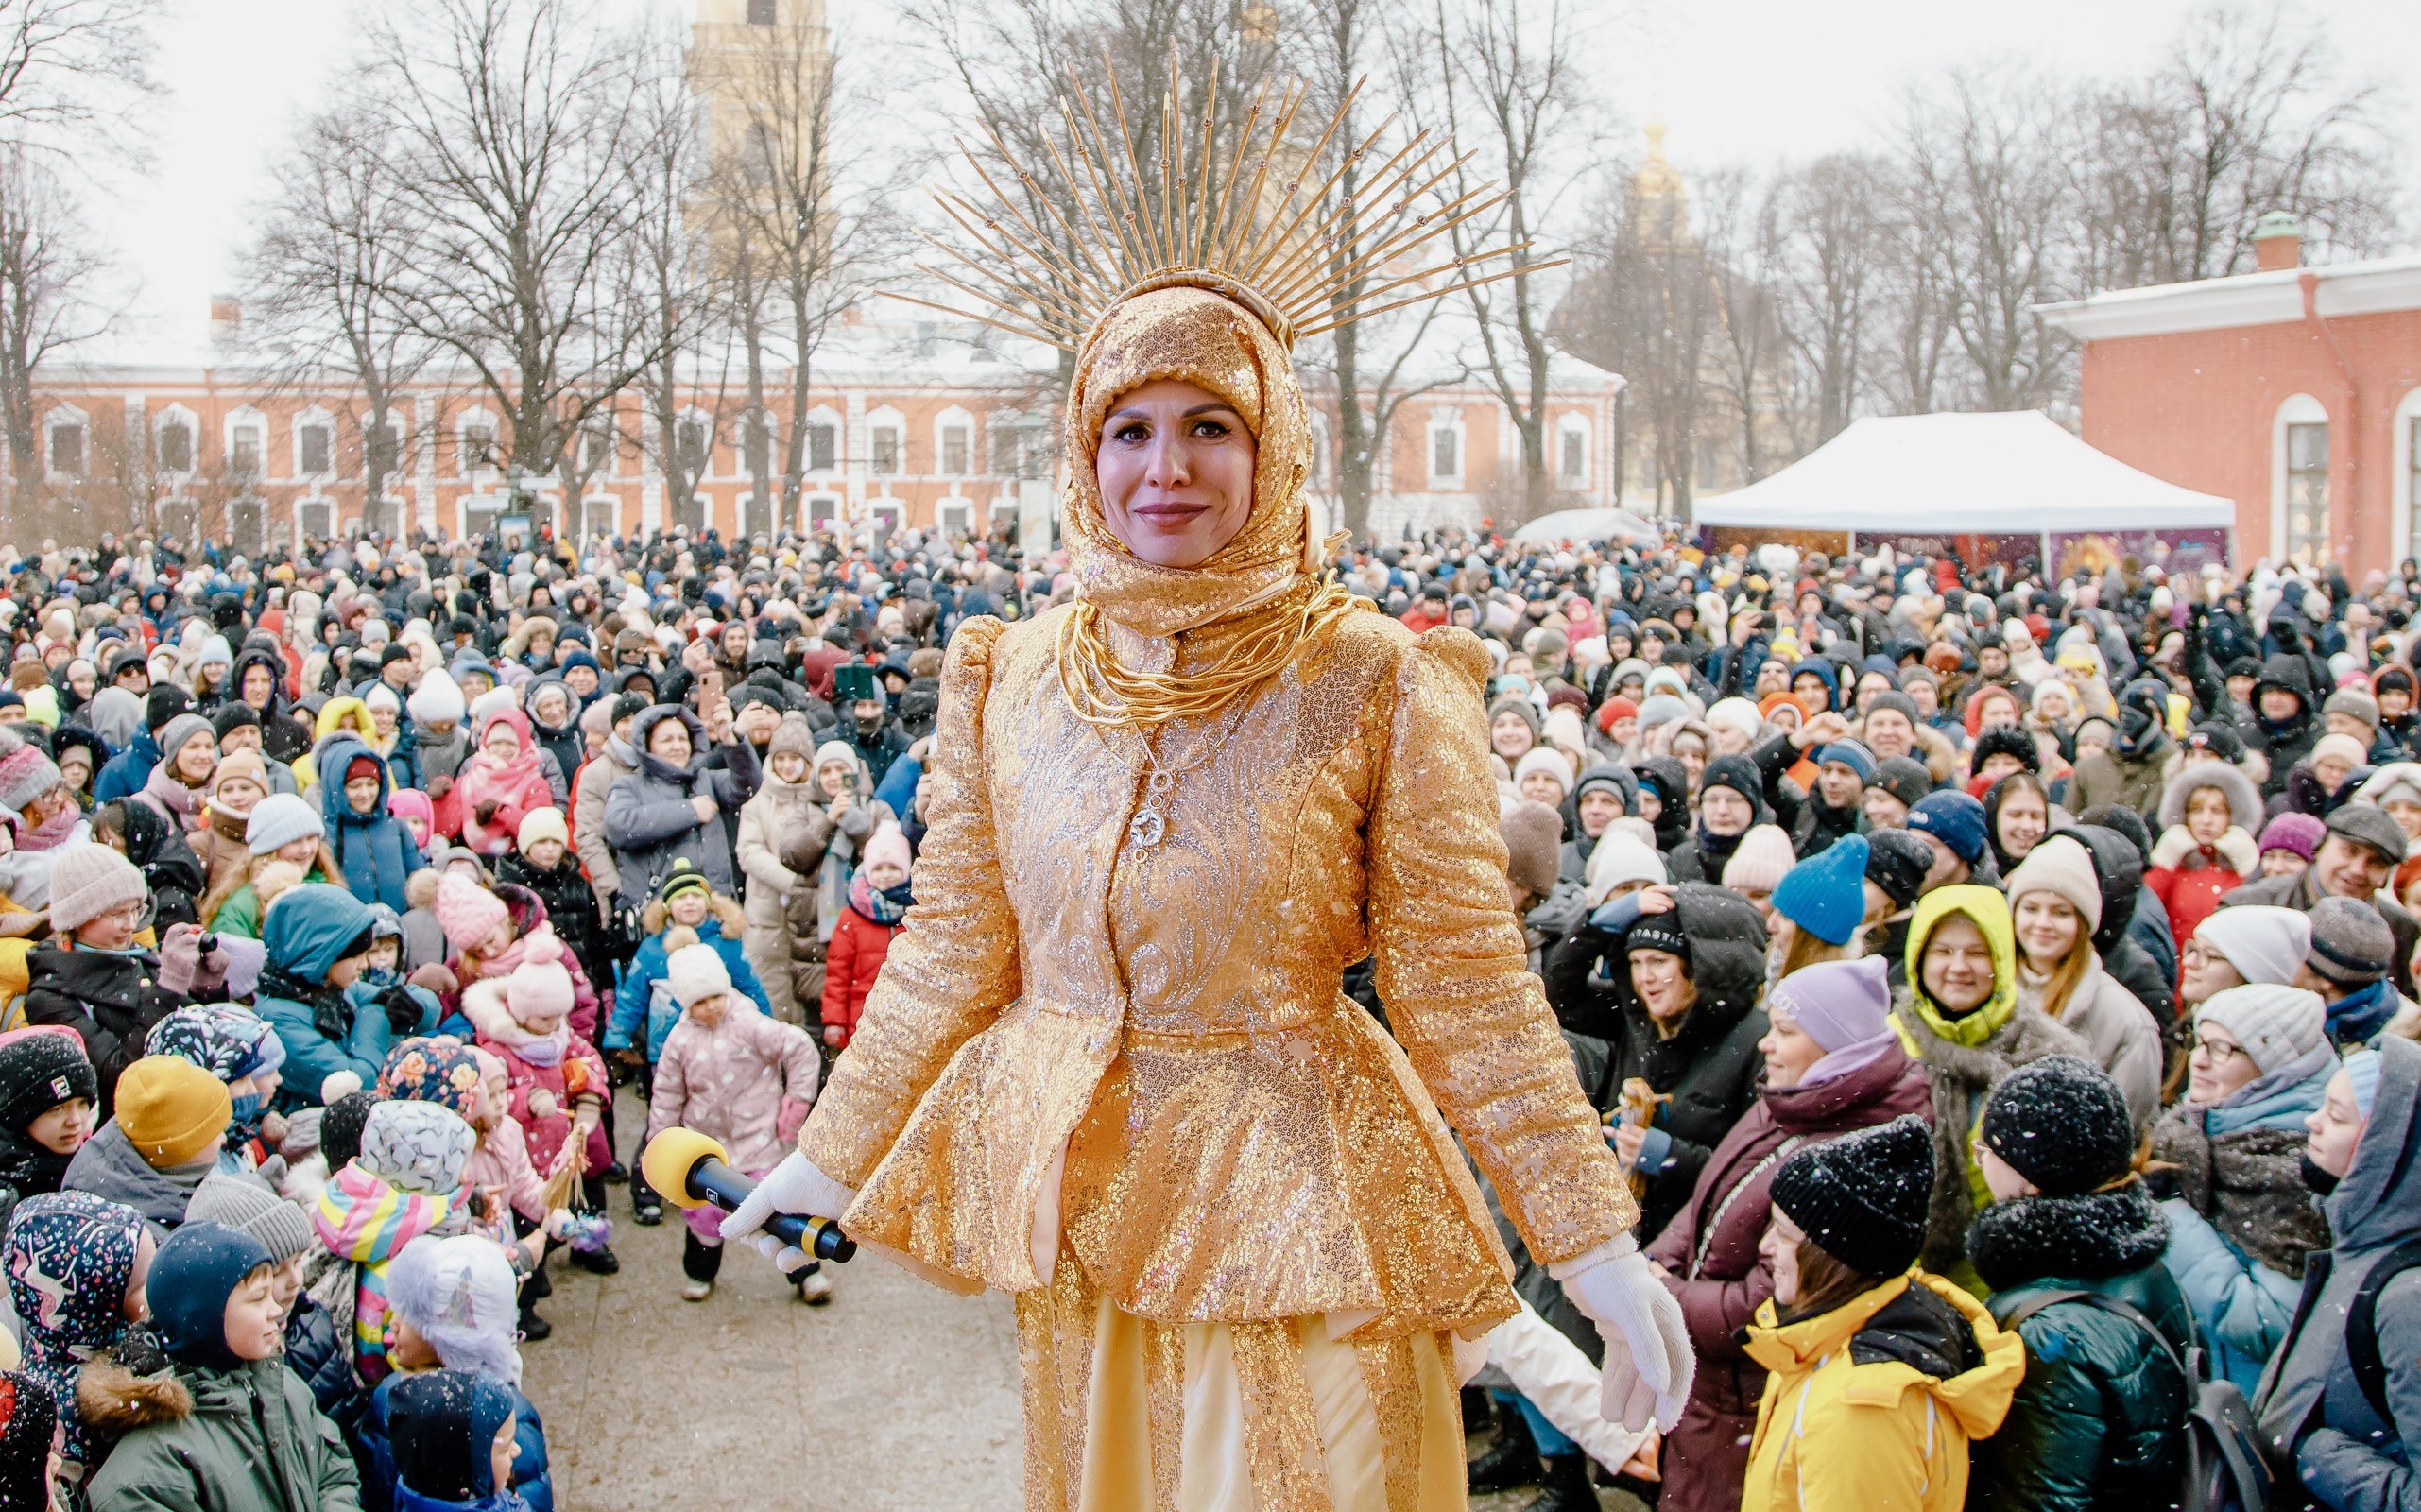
point(2275, 1025)
point(2263, 943)
point(1548, 759)
point(694, 973)
point(2059, 865)
point(1621, 858)
point(437, 700)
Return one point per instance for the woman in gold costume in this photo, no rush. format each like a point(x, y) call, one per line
point(1107, 1068)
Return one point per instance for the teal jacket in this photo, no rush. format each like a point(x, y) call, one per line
point(2096, 1423)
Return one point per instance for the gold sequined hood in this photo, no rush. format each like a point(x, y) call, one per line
point(1200, 337)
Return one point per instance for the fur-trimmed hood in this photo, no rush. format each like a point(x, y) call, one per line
point(2243, 798)
point(115, 1401)
point(2091, 1237)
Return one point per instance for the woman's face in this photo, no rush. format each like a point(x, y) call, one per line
point(2218, 1066)
point(1789, 1051)
point(833, 778)
point(2047, 926)
point(669, 742)
point(1510, 736)
point(76, 767)
point(1781, 1248)
point(1662, 981)
point(503, 745)
point(789, 765)
point(2336, 1128)
point(1541, 787)
point(2207, 815)
point(1691, 753)
point(1958, 971)
point(239, 794)
point(198, 758)
point(299, 852)
point(2052, 705)
point(2331, 771)
point(2203, 972)
point(2280, 862)
point(2023, 820)
point(1175, 472)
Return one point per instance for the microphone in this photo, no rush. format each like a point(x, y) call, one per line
point(692, 1170)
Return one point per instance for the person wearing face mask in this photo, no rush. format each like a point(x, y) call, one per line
point(1730, 800)
point(2343, 1390)
point(872, 731)
point(1961, 1016)
point(2241, 1220)
point(221, 1424)
point(1833, 1065)
point(235, 1047)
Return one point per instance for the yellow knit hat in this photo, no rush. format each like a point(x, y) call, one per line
point(171, 1109)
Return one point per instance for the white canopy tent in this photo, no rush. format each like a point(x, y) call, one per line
point(2016, 473)
point(1589, 524)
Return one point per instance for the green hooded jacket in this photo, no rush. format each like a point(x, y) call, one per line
point(197, 1440)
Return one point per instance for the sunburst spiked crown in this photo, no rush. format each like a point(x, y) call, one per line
point(1248, 217)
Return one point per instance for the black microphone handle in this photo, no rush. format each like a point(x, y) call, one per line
point(711, 1180)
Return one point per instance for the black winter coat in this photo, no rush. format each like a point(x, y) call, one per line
point(111, 1000)
point(1709, 1070)
point(571, 907)
point(2287, 741)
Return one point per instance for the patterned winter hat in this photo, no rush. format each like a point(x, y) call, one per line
point(437, 1068)
point(229, 1042)
point(416, 1146)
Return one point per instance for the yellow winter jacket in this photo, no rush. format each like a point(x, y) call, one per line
point(1870, 1407)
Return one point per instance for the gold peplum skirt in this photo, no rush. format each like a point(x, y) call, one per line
point(1122, 1413)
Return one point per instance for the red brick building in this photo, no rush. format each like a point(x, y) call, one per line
point(2294, 391)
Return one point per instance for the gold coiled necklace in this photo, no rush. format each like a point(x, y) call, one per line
point(1110, 696)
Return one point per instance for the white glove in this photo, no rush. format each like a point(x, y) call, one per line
point(1648, 1359)
point(797, 1187)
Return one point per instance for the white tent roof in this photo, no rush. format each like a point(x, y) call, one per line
point(1587, 524)
point(2012, 473)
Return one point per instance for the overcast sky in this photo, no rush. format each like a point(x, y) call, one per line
point(1754, 79)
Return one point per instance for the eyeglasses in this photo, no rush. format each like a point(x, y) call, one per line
point(2217, 1050)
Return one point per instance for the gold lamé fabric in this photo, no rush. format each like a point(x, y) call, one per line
point(1191, 335)
point(1243, 1144)
point(1124, 1414)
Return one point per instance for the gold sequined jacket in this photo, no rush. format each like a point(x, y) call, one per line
point(1242, 1141)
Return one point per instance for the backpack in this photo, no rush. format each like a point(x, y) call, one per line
point(2361, 1327)
point(2222, 1468)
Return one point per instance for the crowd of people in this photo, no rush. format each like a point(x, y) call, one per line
point(1999, 988)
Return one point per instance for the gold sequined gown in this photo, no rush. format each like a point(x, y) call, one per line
point(1269, 1239)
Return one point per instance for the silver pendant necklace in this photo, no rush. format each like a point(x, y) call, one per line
point(1150, 825)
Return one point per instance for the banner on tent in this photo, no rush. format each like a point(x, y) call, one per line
point(2178, 551)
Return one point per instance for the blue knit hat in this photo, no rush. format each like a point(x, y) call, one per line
point(1850, 754)
point(196, 1270)
point(1955, 819)
point(2362, 1070)
point(1825, 894)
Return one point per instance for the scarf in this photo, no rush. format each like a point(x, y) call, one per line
point(51, 832)
point(2357, 1018)
point(546, 1052)
point(327, 1004)
point(364, 1220)
point(886, 907)
point(2276, 1099)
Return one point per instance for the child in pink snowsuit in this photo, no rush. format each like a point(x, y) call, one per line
point(731, 1073)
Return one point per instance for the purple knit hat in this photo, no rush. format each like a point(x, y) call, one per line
point(1843, 1006)
point(2299, 832)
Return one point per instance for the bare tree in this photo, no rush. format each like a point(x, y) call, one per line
point(1741, 236)
point(1508, 90)
point(1830, 271)
point(800, 230)
point(1981, 174)
point(522, 121)
point(337, 241)
point(50, 304)
point(72, 72)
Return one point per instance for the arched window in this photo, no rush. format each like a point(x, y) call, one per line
point(2300, 504)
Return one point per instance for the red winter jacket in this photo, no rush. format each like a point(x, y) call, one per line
point(851, 962)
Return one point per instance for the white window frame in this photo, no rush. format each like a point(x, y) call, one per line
point(239, 419)
point(58, 418)
point(954, 516)
point(960, 421)
point(402, 464)
point(176, 415)
point(464, 423)
point(600, 514)
point(2408, 497)
point(877, 421)
point(1574, 423)
point(886, 516)
point(831, 419)
point(314, 501)
point(823, 512)
point(1448, 420)
point(313, 416)
point(2296, 409)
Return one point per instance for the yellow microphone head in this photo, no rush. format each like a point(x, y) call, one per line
point(670, 1157)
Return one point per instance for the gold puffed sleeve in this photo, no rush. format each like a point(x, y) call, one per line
point(1453, 965)
point(953, 965)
